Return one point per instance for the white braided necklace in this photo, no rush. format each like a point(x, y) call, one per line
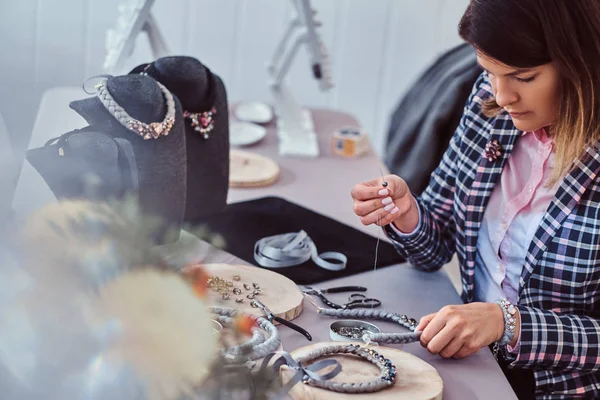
point(152, 130)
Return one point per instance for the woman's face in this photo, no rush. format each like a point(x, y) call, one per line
point(530, 95)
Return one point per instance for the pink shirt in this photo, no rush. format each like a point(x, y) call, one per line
point(515, 210)
point(513, 214)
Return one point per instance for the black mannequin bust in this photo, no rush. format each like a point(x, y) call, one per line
point(160, 162)
point(200, 91)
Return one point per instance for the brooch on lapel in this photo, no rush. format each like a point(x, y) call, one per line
point(493, 150)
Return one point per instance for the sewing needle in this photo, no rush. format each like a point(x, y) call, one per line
point(384, 184)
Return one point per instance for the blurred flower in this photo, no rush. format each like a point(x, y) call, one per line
point(90, 311)
point(245, 324)
point(198, 278)
point(81, 244)
point(165, 330)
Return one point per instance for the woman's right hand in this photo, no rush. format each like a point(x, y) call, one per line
point(395, 204)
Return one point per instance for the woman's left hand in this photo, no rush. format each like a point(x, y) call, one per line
point(461, 330)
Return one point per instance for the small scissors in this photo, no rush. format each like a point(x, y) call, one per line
point(355, 300)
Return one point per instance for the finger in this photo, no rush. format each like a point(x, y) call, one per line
point(379, 182)
point(452, 348)
point(364, 208)
point(364, 191)
point(466, 350)
point(441, 339)
point(432, 329)
point(388, 213)
point(379, 217)
point(397, 186)
point(423, 322)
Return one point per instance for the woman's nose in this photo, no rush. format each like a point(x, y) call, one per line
point(504, 94)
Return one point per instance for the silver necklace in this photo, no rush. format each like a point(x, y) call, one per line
point(152, 130)
point(306, 371)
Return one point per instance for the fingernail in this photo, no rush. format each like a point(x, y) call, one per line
point(389, 207)
point(387, 200)
point(383, 192)
point(394, 211)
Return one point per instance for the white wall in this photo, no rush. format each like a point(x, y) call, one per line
point(378, 48)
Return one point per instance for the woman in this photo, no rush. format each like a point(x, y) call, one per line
point(516, 196)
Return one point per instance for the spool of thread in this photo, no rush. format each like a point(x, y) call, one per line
point(350, 142)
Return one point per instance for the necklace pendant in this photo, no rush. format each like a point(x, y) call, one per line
point(157, 129)
point(202, 122)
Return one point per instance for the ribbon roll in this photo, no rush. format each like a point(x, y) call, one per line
point(291, 249)
point(302, 372)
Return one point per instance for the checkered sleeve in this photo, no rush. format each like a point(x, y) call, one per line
point(433, 244)
point(552, 340)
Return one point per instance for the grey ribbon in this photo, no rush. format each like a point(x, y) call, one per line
point(302, 372)
point(291, 249)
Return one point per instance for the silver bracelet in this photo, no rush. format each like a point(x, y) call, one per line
point(509, 311)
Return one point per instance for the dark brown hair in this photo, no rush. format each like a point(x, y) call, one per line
point(531, 33)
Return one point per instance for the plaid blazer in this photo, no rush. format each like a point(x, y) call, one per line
point(559, 290)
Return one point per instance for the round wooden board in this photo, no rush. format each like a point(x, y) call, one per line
point(415, 379)
point(251, 170)
point(279, 294)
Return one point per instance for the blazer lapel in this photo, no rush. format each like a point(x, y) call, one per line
point(565, 200)
point(483, 184)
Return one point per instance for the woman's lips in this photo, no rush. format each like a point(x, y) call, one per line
point(518, 115)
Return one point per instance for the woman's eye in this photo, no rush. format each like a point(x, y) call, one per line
point(526, 80)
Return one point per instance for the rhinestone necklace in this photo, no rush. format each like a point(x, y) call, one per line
point(152, 130)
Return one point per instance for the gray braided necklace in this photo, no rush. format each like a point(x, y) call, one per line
point(386, 378)
point(152, 130)
point(388, 338)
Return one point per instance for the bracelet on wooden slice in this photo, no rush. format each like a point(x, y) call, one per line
point(413, 378)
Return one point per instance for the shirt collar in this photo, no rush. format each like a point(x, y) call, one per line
point(539, 134)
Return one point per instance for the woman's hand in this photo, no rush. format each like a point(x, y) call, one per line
point(461, 330)
point(375, 204)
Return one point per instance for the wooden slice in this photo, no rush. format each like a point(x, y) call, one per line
point(278, 293)
point(415, 379)
point(251, 170)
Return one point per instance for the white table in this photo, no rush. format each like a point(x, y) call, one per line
point(323, 185)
